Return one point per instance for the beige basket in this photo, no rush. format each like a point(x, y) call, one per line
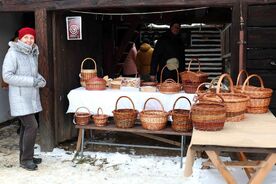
point(86, 74)
point(153, 119)
point(100, 119)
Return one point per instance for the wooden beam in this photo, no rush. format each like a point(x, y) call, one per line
point(46, 117)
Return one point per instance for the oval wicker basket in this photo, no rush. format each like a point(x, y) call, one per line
point(100, 119)
point(208, 115)
point(86, 74)
point(260, 97)
point(181, 117)
point(190, 76)
point(169, 86)
point(153, 119)
point(236, 103)
point(125, 118)
point(82, 118)
point(95, 83)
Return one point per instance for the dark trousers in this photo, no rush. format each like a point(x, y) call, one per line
point(27, 137)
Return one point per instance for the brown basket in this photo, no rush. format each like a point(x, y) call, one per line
point(95, 83)
point(208, 115)
point(169, 86)
point(190, 87)
point(86, 74)
point(190, 76)
point(181, 118)
point(260, 97)
point(153, 119)
point(236, 103)
point(82, 118)
point(124, 118)
point(100, 120)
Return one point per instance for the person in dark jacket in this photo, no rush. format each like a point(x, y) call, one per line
point(20, 71)
point(169, 50)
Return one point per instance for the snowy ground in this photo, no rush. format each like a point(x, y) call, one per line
point(60, 166)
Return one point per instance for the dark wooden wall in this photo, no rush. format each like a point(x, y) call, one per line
point(261, 45)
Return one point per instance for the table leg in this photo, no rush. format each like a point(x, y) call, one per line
point(182, 151)
point(214, 157)
point(262, 172)
point(79, 141)
point(82, 141)
point(248, 171)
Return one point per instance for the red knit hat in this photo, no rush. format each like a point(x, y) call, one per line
point(26, 30)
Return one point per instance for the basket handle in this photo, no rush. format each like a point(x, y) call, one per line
point(179, 99)
point(194, 59)
point(127, 98)
point(83, 108)
point(239, 76)
point(220, 82)
point(95, 64)
point(249, 77)
point(152, 98)
point(98, 111)
point(214, 94)
point(200, 85)
point(169, 81)
point(177, 73)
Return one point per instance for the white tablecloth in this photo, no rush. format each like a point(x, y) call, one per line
point(106, 99)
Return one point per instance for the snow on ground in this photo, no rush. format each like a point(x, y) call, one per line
point(64, 167)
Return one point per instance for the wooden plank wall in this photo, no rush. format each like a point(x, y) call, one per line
point(261, 46)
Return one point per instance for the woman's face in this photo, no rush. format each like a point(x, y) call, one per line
point(28, 39)
point(175, 29)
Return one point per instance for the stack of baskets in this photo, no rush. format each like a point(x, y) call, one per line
point(169, 86)
point(100, 119)
point(153, 119)
point(95, 83)
point(82, 118)
point(208, 115)
point(125, 118)
point(260, 97)
point(236, 103)
point(191, 80)
point(86, 74)
point(181, 117)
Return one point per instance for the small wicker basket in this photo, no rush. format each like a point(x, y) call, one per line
point(169, 86)
point(208, 115)
point(125, 118)
point(100, 119)
point(86, 74)
point(153, 119)
point(95, 83)
point(181, 117)
point(82, 118)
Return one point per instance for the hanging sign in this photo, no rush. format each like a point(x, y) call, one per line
point(74, 28)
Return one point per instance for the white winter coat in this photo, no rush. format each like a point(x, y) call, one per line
point(20, 67)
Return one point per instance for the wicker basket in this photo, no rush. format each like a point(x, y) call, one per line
point(181, 117)
point(236, 103)
point(190, 87)
point(153, 119)
point(125, 118)
point(95, 83)
point(260, 97)
point(100, 119)
point(82, 118)
point(169, 86)
point(208, 115)
point(86, 74)
point(191, 77)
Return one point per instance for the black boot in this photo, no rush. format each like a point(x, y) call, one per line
point(28, 165)
point(37, 160)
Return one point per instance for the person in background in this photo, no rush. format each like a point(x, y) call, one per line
point(143, 60)
point(169, 50)
point(20, 71)
point(129, 66)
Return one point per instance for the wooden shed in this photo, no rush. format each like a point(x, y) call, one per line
point(60, 59)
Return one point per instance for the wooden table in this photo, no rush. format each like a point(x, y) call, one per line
point(137, 129)
point(255, 134)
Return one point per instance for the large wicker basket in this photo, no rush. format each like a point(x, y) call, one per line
point(153, 119)
point(236, 103)
point(181, 117)
point(169, 86)
point(80, 117)
point(260, 97)
point(86, 74)
point(208, 115)
point(125, 118)
point(191, 77)
point(100, 119)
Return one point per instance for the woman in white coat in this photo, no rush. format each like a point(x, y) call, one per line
point(20, 71)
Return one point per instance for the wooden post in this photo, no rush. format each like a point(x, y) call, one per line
point(46, 116)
